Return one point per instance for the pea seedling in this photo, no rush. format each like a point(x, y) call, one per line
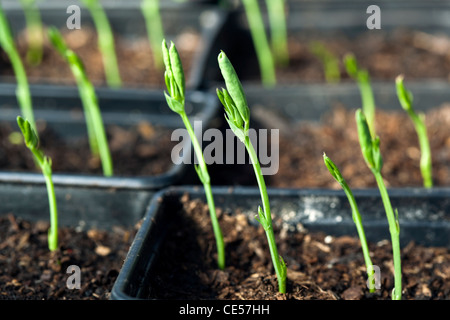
point(278, 31)
point(35, 32)
point(23, 90)
point(363, 80)
point(175, 82)
point(45, 163)
point(262, 47)
point(370, 148)
point(105, 42)
point(356, 217)
point(94, 122)
point(329, 61)
point(155, 31)
point(406, 98)
point(237, 114)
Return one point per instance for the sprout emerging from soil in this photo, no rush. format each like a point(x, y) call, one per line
point(94, 122)
point(23, 90)
point(370, 148)
point(237, 114)
point(35, 31)
point(329, 61)
point(406, 100)
point(261, 43)
point(175, 82)
point(363, 80)
point(155, 31)
point(45, 163)
point(356, 218)
point(105, 42)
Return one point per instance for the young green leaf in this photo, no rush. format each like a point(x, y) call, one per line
point(406, 98)
point(105, 42)
point(356, 216)
point(174, 77)
point(238, 118)
point(151, 12)
point(45, 163)
point(94, 122)
point(23, 91)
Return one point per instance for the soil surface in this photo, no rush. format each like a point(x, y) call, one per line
point(29, 271)
point(301, 148)
point(319, 266)
point(383, 54)
point(135, 58)
point(141, 150)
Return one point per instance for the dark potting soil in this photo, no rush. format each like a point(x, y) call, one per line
point(140, 150)
point(319, 267)
point(29, 271)
point(383, 54)
point(301, 147)
point(134, 57)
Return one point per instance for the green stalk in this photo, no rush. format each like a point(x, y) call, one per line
point(174, 77)
point(329, 61)
point(155, 30)
point(355, 215)
point(94, 122)
point(45, 163)
point(278, 27)
point(262, 47)
point(370, 148)
point(238, 117)
point(23, 90)
point(405, 97)
point(35, 32)
point(105, 42)
point(363, 80)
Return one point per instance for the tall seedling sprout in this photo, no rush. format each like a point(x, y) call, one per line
point(406, 100)
point(237, 114)
point(45, 163)
point(175, 82)
point(261, 43)
point(23, 90)
point(362, 78)
point(35, 31)
point(356, 218)
point(278, 31)
point(94, 122)
point(329, 61)
point(370, 148)
point(105, 42)
point(151, 12)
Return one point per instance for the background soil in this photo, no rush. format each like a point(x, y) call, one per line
point(319, 266)
point(135, 59)
point(29, 271)
point(141, 150)
point(384, 54)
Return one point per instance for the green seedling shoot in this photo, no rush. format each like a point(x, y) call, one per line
point(362, 78)
point(45, 163)
point(175, 82)
point(370, 148)
point(278, 31)
point(94, 122)
point(23, 90)
point(35, 32)
point(155, 30)
point(261, 43)
point(356, 218)
point(105, 43)
point(329, 61)
point(237, 114)
point(406, 101)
